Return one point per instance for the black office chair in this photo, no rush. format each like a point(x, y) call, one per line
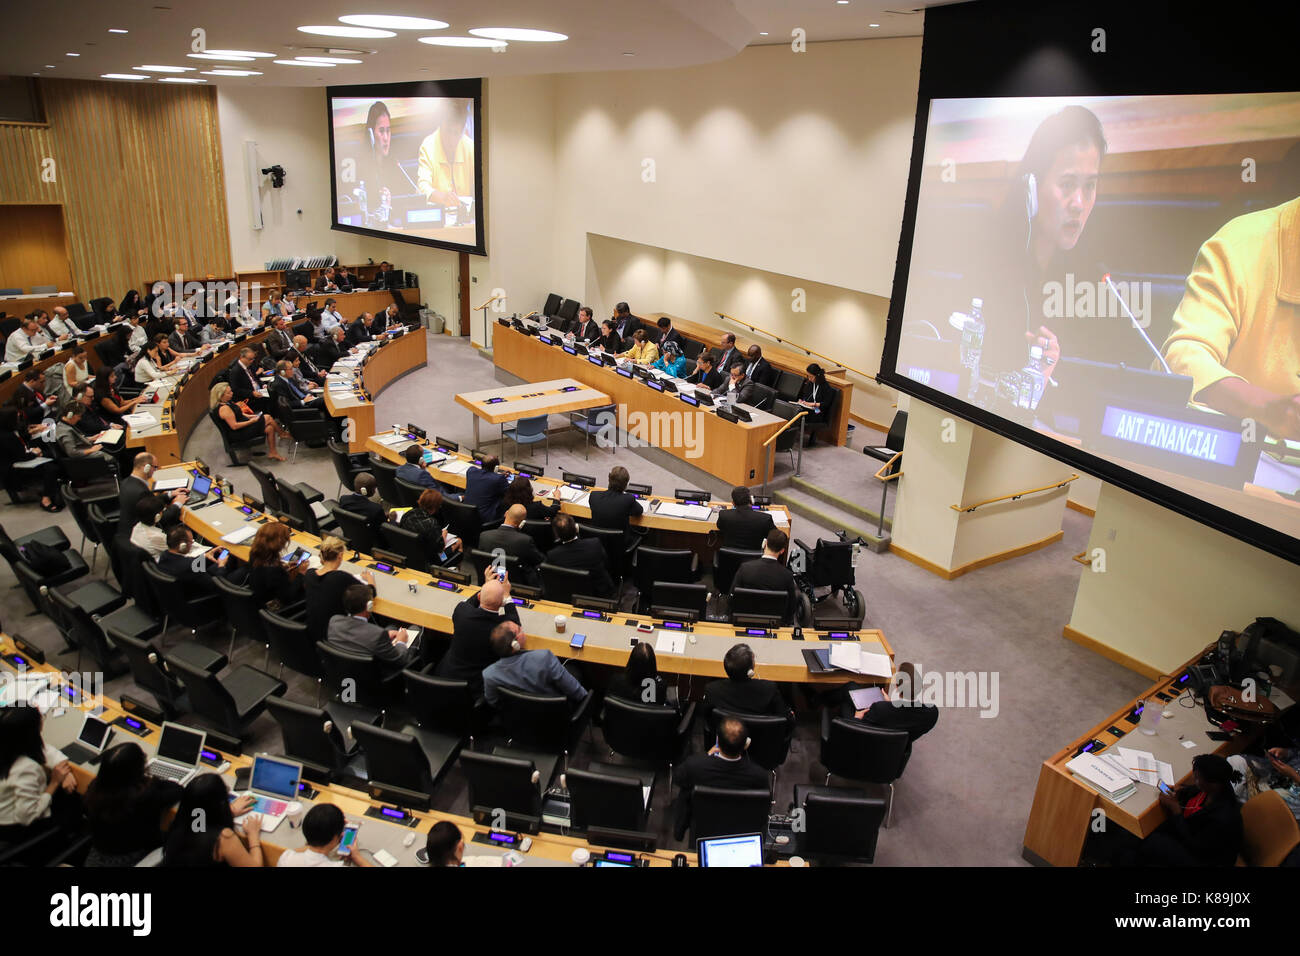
point(408, 492)
point(763, 397)
point(311, 737)
point(463, 521)
point(654, 734)
point(346, 465)
point(355, 529)
point(150, 671)
point(95, 476)
point(544, 722)
point(270, 489)
point(442, 704)
point(309, 426)
point(541, 532)
point(860, 752)
point(769, 738)
point(79, 502)
point(562, 584)
point(510, 783)
point(840, 825)
point(239, 444)
point(605, 800)
point(894, 440)
point(397, 759)
point(302, 501)
point(292, 644)
point(662, 564)
point(31, 578)
point(241, 613)
point(385, 473)
point(789, 439)
point(132, 559)
point(721, 812)
point(618, 549)
point(229, 704)
point(85, 634)
point(105, 521)
point(356, 678)
point(179, 608)
point(482, 560)
point(753, 602)
point(670, 598)
point(405, 544)
point(788, 385)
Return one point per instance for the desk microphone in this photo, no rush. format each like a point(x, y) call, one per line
point(1136, 324)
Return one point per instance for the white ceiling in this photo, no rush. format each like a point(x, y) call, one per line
point(659, 33)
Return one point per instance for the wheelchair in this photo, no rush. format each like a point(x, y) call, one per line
point(825, 571)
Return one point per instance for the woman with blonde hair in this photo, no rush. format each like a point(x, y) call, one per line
point(237, 415)
point(326, 584)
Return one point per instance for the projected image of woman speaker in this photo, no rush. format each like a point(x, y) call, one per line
point(446, 171)
point(379, 172)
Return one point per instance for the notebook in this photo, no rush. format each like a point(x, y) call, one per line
point(673, 510)
point(240, 535)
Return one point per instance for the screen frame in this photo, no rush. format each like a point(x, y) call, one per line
point(1051, 36)
point(466, 89)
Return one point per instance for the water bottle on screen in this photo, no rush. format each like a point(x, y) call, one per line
point(972, 344)
point(1032, 379)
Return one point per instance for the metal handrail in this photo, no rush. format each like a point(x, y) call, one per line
point(777, 433)
point(1014, 497)
point(803, 348)
point(489, 302)
point(887, 465)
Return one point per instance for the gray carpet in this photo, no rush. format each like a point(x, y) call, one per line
point(965, 797)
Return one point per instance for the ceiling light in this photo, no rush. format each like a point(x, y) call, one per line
point(629, 54)
point(513, 33)
point(763, 33)
point(385, 22)
point(49, 66)
point(72, 54)
point(180, 79)
point(123, 76)
point(327, 59)
point(873, 24)
point(231, 73)
point(118, 31)
point(245, 53)
point(302, 63)
point(222, 57)
point(155, 68)
point(360, 32)
point(461, 41)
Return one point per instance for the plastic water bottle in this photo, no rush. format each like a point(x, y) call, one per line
point(1032, 380)
point(972, 344)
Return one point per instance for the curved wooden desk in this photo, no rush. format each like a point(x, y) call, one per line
point(416, 598)
point(385, 365)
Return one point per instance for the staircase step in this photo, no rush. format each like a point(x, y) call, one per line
point(860, 523)
point(838, 502)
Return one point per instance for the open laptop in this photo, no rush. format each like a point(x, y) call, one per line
point(179, 750)
point(743, 850)
point(92, 740)
point(273, 785)
point(200, 488)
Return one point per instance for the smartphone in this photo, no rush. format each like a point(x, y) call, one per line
point(222, 554)
point(578, 641)
point(1164, 788)
point(349, 838)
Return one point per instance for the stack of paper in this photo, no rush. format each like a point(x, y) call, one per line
point(851, 656)
point(1142, 766)
point(240, 535)
point(457, 467)
point(779, 518)
point(670, 643)
point(391, 440)
point(140, 420)
point(673, 510)
point(572, 495)
point(1102, 776)
point(170, 484)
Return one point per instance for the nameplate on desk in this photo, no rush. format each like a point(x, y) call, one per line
point(392, 815)
point(570, 349)
point(1186, 439)
point(595, 360)
point(493, 401)
point(130, 724)
point(689, 399)
point(655, 384)
point(625, 372)
point(569, 388)
point(447, 586)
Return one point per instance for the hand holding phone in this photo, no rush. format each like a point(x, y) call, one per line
point(349, 839)
point(1165, 789)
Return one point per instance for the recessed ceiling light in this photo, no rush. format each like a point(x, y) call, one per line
point(763, 33)
point(180, 79)
point(302, 63)
point(119, 31)
point(244, 53)
point(842, 3)
point(155, 68)
point(362, 32)
point(514, 33)
point(223, 57)
point(72, 54)
point(385, 22)
point(231, 73)
point(49, 66)
point(462, 41)
point(327, 59)
point(123, 76)
point(873, 24)
point(629, 54)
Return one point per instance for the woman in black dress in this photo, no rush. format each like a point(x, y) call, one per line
point(269, 578)
point(326, 584)
point(124, 806)
point(16, 446)
point(215, 843)
point(236, 415)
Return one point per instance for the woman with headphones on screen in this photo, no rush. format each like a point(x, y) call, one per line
point(379, 173)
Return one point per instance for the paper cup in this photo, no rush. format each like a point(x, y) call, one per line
point(561, 622)
point(580, 856)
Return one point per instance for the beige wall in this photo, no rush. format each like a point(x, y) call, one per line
point(1170, 584)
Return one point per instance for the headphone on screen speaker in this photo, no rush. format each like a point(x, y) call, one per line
point(1031, 195)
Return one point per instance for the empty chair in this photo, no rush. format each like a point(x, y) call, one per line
point(150, 671)
point(605, 800)
point(894, 439)
point(178, 608)
point(788, 385)
point(544, 722)
point(752, 602)
point(764, 395)
point(311, 737)
point(649, 733)
point(1269, 829)
point(442, 704)
point(306, 425)
point(552, 306)
point(840, 825)
point(789, 439)
point(860, 752)
point(399, 759)
point(79, 503)
point(511, 783)
point(229, 704)
point(291, 643)
point(353, 528)
point(346, 465)
point(270, 490)
point(562, 584)
point(407, 544)
point(662, 564)
point(463, 521)
point(672, 596)
point(529, 431)
point(241, 612)
point(385, 473)
point(721, 812)
point(596, 423)
point(86, 634)
point(354, 678)
point(303, 502)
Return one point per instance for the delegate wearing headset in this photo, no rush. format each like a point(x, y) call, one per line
point(380, 172)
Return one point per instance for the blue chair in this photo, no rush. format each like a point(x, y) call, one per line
point(591, 422)
point(11, 291)
point(528, 431)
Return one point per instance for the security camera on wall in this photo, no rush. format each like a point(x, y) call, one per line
point(277, 175)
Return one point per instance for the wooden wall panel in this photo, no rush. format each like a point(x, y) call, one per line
point(139, 174)
point(33, 247)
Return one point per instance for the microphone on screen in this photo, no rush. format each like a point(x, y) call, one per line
point(1106, 278)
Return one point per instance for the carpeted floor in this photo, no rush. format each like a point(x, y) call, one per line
point(966, 793)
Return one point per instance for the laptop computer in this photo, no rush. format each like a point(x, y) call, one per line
point(92, 740)
point(200, 488)
point(179, 750)
point(743, 850)
point(273, 785)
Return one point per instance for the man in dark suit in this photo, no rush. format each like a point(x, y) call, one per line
point(896, 709)
point(361, 330)
point(737, 388)
point(625, 323)
point(309, 369)
point(768, 573)
point(353, 631)
point(515, 543)
point(179, 561)
point(740, 692)
point(329, 349)
point(485, 487)
point(343, 279)
point(325, 282)
point(706, 374)
point(183, 341)
point(730, 354)
point(363, 501)
point(668, 334)
point(614, 507)
point(389, 319)
point(588, 330)
point(472, 623)
point(725, 766)
point(283, 387)
point(137, 485)
point(280, 342)
point(244, 382)
point(413, 470)
point(580, 554)
point(741, 526)
point(757, 368)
